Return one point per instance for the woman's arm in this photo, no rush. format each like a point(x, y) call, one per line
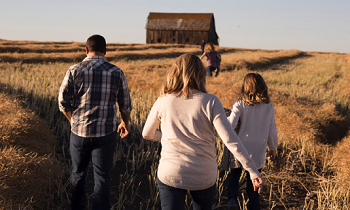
point(150, 131)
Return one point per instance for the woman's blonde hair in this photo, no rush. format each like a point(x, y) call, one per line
point(209, 47)
point(254, 90)
point(186, 74)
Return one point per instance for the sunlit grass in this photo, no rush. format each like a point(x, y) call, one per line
point(316, 77)
point(307, 93)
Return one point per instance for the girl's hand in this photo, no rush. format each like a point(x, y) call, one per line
point(258, 182)
point(272, 154)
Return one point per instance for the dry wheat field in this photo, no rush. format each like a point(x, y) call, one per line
point(310, 91)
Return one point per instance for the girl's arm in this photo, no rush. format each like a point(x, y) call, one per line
point(202, 56)
point(150, 131)
point(235, 114)
point(218, 56)
point(272, 154)
point(272, 140)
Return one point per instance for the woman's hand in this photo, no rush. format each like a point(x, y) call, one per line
point(258, 182)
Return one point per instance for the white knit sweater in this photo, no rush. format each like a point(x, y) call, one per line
point(257, 129)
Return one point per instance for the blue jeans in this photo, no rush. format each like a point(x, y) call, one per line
point(210, 70)
point(172, 198)
point(233, 188)
point(100, 150)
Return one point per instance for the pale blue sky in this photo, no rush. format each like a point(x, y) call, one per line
point(308, 25)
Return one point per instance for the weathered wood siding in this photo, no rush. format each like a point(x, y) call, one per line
point(176, 37)
point(181, 28)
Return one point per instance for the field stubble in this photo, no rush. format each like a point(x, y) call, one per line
point(309, 90)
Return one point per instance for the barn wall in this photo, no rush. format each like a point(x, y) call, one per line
point(212, 35)
point(175, 36)
point(213, 38)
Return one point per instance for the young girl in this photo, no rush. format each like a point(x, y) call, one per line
point(212, 58)
point(188, 116)
point(255, 115)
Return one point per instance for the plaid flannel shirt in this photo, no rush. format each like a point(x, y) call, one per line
point(91, 90)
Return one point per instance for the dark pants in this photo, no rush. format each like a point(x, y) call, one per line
point(210, 70)
point(233, 188)
point(218, 61)
point(174, 198)
point(100, 150)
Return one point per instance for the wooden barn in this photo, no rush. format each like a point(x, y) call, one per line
point(181, 28)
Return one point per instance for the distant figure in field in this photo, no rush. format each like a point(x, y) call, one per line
point(212, 57)
point(254, 116)
point(88, 97)
point(188, 116)
point(202, 45)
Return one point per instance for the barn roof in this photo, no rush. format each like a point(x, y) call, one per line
point(179, 21)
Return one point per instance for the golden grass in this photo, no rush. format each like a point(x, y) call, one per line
point(29, 172)
point(307, 89)
point(7, 46)
point(314, 77)
point(317, 122)
point(37, 52)
point(347, 58)
point(79, 56)
point(257, 60)
point(342, 161)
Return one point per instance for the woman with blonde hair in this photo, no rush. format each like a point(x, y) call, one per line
point(255, 115)
point(188, 116)
point(212, 59)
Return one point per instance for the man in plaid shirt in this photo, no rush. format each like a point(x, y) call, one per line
point(88, 97)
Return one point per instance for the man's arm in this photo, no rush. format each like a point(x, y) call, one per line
point(124, 126)
point(68, 115)
point(65, 95)
point(124, 103)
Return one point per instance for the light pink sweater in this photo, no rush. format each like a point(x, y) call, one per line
point(188, 140)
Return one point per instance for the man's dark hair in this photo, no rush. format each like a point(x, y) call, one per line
point(96, 43)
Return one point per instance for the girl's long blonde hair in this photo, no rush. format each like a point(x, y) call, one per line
point(254, 90)
point(209, 47)
point(186, 74)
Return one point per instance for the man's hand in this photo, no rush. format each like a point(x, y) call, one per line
point(258, 182)
point(68, 115)
point(124, 126)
